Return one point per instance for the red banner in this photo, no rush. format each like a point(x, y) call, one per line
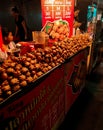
point(58, 9)
point(39, 109)
point(75, 74)
point(1, 38)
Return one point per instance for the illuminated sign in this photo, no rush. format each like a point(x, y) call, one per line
point(58, 9)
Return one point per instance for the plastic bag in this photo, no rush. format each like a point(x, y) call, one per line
point(3, 56)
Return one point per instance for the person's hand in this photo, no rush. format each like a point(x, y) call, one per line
point(26, 37)
point(77, 24)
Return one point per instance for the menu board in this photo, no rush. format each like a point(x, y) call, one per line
point(58, 9)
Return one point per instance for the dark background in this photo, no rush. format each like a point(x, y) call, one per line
point(30, 9)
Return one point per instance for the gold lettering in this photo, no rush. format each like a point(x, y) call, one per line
point(36, 101)
point(35, 116)
point(6, 128)
point(18, 121)
point(26, 112)
point(14, 124)
point(11, 125)
point(33, 103)
point(22, 116)
point(31, 106)
point(26, 127)
point(55, 90)
point(29, 123)
point(23, 128)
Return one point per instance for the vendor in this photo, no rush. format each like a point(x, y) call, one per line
point(21, 27)
point(77, 24)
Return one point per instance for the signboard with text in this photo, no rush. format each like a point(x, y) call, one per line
point(40, 109)
point(58, 9)
point(43, 107)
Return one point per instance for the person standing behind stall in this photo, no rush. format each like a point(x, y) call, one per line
point(21, 28)
point(77, 24)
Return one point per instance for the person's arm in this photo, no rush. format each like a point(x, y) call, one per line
point(25, 29)
point(16, 31)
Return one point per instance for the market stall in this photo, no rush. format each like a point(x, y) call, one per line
point(36, 91)
point(41, 79)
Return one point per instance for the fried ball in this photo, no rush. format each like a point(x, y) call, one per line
point(16, 88)
point(45, 69)
point(18, 67)
point(29, 79)
point(37, 66)
point(6, 65)
point(1, 99)
point(4, 76)
point(6, 88)
point(23, 83)
point(14, 81)
point(17, 73)
point(38, 54)
point(22, 77)
point(31, 67)
point(30, 55)
point(53, 64)
point(2, 70)
point(47, 50)
point(13, 64)
point(24, 69)
point(13, 58)
point(23, 58)
point(45, 64)
point(9, 78)
point(39, 73)
point(33, 72)
point(0, 91)
point(35, 61)
point(5, 83)
point(32, 61)
point(27, 63)
point(54, 58)
point(39, 58)
point(35, 77)
point(53, 47)
point(10, 70)
point(57, 63)
point(47, 55)
point(28, 73)
point(8, 93)
point(28, 59)
point(49, 67)
point(54, 52)
point(47, 60)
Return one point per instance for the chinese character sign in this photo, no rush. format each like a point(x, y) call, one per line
point(58, 9)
